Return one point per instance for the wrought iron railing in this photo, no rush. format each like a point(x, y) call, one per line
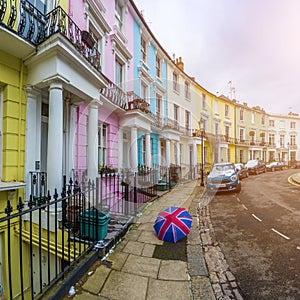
point(115, 95)
point(136, 102)
point(35, 27)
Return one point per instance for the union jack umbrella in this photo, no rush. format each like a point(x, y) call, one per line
point(173, 224)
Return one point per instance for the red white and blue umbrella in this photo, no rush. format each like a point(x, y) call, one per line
point(173, 224)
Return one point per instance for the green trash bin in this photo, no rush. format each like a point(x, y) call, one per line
point(88, 222)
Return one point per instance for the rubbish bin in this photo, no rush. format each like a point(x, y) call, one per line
point(93, 224)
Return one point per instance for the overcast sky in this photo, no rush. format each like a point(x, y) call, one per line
point(255, 44)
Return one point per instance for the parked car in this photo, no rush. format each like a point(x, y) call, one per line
point(223, 177)
point(255, 166)
point(295, 165)
point(241, 170)
point(275, 166)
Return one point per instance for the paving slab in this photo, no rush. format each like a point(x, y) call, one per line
point(134, 247)
point(149, 237)
point(143, 266)
point(121, 285)
point(163, 289)
point(117, 260)
point(173, 270)
point(95, 282)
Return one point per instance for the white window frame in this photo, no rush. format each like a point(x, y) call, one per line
point(102, 144)
point(226, 110)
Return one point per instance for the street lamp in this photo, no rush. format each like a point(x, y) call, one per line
point(202, 134)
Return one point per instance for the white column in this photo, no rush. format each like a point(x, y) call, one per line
point(168, 153)
point(72, 133)
point(159, 152)
point(121, 149)
point(33, 124)
point(195, 154)
point(177, 145)
point(55, 138)
point(148, 150)
point(133, 149)
point(92, 142)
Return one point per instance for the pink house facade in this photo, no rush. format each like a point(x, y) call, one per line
point(110, 24)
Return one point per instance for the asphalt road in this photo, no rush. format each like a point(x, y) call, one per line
point(259, 234)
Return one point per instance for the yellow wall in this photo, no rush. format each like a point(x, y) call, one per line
point(12, 79)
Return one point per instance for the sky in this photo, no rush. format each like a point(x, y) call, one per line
point(254, 44)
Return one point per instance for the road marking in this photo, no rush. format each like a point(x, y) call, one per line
point(244, 206)
point(238, 199)
point(298, 248)
point(257, 218)
point(291, 181)
point(284, 236)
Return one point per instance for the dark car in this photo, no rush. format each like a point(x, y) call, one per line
point(223, 177)
point(255, 166)
point(241, 170)
point(275, 166)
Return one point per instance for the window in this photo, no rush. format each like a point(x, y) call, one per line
point(119, 73)
point(158, 105)
point(253, 118)
point(143, 49)
point(227, 131)
point(119, 15)
point(158, 67)
point(281, 138)
point(40, 5)
point(216, 128)
point(271, 123)
point(293, 140)
point(241, 114)
point(271, 138)
point(262, 120)
point(293, 125)
point(102, 144)
point(242, 134)
point(187, 119)
point(176, 112)
point(216, 107)
point(226, 110)
point(204, 101)
point(241, 156)
point(144, 91)
point(187, 92)
point(175, 82)
point(143, 150)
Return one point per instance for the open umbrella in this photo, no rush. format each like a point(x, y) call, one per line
point(173, 224)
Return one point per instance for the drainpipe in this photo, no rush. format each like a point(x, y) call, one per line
point(20, 120)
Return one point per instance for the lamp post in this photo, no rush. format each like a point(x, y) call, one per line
point(202, 133)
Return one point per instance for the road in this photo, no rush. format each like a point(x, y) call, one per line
point(259, 233)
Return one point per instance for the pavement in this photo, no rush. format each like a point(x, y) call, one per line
point(133, 270)
point(296, 178)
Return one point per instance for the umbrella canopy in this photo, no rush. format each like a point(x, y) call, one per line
point(173, 224)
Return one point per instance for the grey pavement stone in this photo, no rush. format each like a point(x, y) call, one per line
point(148, 250)
point(95, 282)
point(134, 247)
point(162, 289)
point(173, 270)
point(87, 296)
point(149, 237)
point(196, 263)
point(144, 266)
point(121, 285)
point(201, 288)
point(132, 235)
point(117, 259)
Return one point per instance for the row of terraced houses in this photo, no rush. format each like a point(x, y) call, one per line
point(86, 85)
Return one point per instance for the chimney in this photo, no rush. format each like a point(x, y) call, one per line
point(180, 64)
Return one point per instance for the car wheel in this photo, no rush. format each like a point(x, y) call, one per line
point(273, 169)
point(238, 189)
point(256, 171)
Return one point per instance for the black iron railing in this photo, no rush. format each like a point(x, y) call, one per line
point(33, 26)
point(115, 95)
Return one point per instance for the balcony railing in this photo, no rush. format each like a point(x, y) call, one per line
point(136, 102)
point(115, 95)
point(35, 27)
